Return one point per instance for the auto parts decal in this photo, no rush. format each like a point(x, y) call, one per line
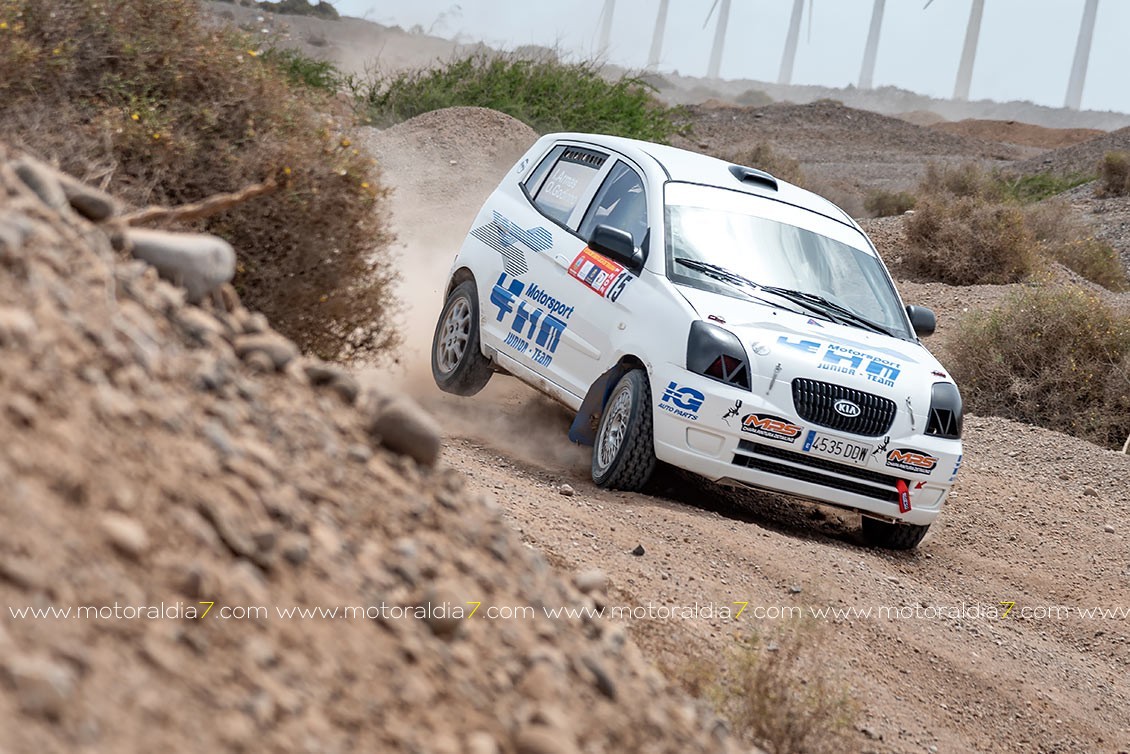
point(535, 330)
point(682, 401)
point(501, 235)
point(772, 427)
point(912, 461)
point(600, 273)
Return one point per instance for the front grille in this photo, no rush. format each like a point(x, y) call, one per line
point(888, 494)
point(814, 402)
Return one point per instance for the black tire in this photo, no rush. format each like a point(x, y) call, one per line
point(626, 460)
point(458, 364)
point(891, 536)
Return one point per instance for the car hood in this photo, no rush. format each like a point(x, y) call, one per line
point(783, 345)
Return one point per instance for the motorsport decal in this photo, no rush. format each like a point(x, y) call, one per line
point(600, 273)
point(837, 358)
point(773, 427)
point(732, 411)
point(912, 461)
point(536, 330)
point(683, 402)
point(500, 234)
point(956, 468)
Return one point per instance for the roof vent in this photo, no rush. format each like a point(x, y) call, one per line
point(753, 175)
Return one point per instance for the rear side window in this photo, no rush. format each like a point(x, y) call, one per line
point(533, 180)
point(567, 182)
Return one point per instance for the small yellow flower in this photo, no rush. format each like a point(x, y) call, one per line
point(364, 185)
point(156, 137)
point(345, 143)
point(286, 171)
point(253, 53)
point(324, 298)
point(3, 24)
point(57, 51)
point(135, 116)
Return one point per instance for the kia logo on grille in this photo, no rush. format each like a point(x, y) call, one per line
point(846, 408)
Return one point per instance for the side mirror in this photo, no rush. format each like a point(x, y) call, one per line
point(618, 246)
point(922, 320)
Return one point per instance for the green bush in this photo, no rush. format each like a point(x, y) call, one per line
point(1058, 358)
point(320, 9)
point(1036, 187)
point(546, 94)
point(305, 70)
point(161, 107)
point(1114, 172)
point(882, 203)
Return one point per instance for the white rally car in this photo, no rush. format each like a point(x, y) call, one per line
point(710, 316)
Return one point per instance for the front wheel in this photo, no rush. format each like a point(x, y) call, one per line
point(892, 536)
point(623, 455)
point(458, 364)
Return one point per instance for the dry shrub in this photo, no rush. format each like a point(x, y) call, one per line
point(778, 689)
point(882, 203)
point(968, 180)
point(1062, 236)
point(966, 240)
point(1114, 174)
point(1055, 357)
point(148, 100)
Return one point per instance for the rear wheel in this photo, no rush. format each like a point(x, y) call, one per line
point(623, 455)
point(458, 364)
point(892, 536)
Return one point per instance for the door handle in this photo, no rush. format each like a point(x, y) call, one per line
point(563, 260)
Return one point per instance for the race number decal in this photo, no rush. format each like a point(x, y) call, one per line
point(600, 274)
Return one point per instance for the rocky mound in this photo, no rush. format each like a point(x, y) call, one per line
point(1015, 132)
point(187, 486)
point(1079, 158)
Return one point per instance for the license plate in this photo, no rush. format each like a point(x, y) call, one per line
point(833, 447)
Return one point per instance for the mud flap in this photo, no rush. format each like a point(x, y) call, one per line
point(583, 429)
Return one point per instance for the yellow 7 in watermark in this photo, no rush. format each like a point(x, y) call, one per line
point(209, 604)
point(742, 610)
point(476, 604)
point(1011, 604)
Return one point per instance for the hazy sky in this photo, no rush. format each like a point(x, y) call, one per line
point(1025, 53)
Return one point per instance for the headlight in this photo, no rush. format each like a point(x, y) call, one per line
point(718, 354)
point(945, 411)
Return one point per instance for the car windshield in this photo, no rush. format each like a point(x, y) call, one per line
point(728, 241)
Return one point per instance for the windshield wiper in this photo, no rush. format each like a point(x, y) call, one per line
point(827, 307)
point(811, 301)
point(720, 273)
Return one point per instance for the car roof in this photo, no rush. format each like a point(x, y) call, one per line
point(692, 167)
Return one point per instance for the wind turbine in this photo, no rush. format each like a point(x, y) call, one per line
point(787, 60)
point(969, 51)
point(606, 14)
point(657, 37)
point(715, 66)
point(1082, 56)
point(871, 52)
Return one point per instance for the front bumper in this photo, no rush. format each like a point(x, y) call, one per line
point(707, 437)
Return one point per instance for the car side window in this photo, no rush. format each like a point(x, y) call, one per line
point(567, 182)
point(621, 202)
point(533, 180)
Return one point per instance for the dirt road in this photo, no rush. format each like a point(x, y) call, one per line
point(981, 640)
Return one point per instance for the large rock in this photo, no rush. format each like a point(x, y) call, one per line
point(402, 426)
point(91, 203)
point(198, 262)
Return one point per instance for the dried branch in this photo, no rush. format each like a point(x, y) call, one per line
point(206, 208)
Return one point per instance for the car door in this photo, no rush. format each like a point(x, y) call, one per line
point(530, 308)
point(600, 286)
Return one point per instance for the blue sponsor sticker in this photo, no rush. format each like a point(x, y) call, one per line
point(682, 401)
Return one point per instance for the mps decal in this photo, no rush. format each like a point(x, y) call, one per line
point(501, 235)
point(600, 273)
point(912, 461)
point(536, 329)
point(771, 427)
point(837, 358)
point(681, 401)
